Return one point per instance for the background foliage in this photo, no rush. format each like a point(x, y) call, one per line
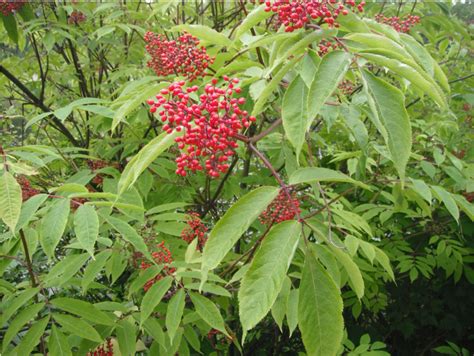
point(374, 137)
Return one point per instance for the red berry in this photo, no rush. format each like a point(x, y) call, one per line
point(161, 257)
point(284, 207)
point(76, 17)
point(8, 7)
point(194, 229)
point(180, 57)
point(210, 124)
point(26, 190)
point(399, 24)
point(296, 14)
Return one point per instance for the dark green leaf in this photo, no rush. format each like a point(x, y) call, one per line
point(9, 22)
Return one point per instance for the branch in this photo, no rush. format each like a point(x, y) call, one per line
point(262, 134)
point(461, 79)
point(56, 123)
point(267, 163)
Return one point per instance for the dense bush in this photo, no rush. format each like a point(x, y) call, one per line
point(235, 177)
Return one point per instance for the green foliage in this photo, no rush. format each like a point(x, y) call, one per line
point(373, 139)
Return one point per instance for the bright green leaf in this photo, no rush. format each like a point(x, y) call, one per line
point(53, 225)
point(319, 310)
point(264, 279)
point(83, 309)
point(388, 105)
point(126, 335)
point(86, 226)
point(208, 311)
point(331, 71)
point(319, 174)
point(294, 113)
point(129, 234)
point(93, 269)
point(144, 158)
point(205, 33)
point(153, 297)
point(447, 200)
point(21, 319)
point(58, 344)
point(10, 199)
point(233, 224)
point(252, 19)
point(32, 337)
point(174, 313)
point(77, 327)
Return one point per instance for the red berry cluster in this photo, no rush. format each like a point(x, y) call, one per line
point(346, 87)
point(210, 124)
point(469, 196)
point(399, 24)
point(76, 203)
point(284, 207)
point(162, 256)
point(182, 56)
point(294, 14)
point(194, 229)
point(212, 333)
point(215, 336)
point(76, 17)
point(26, 190)
point(8, 7)
point(106, 349)
point(95, 165)
point(326, 45)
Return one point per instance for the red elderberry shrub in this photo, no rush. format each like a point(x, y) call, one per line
point(26, 190)
point(76, 17)
point(106, 349)
point(295, 14)
point(8, 7)
point(399, 24)
point(284, 207)
point(182, 56)
point(195, 229)
point(210, 124)
point(161, 256)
